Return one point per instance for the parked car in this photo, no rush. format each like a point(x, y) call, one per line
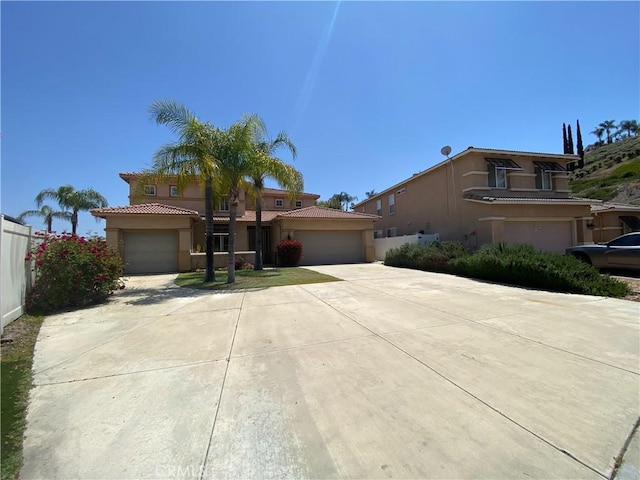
point(621, 252)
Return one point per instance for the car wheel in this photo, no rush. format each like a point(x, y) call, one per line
point(583, 258)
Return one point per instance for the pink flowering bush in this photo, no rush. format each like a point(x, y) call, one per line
point(72, 271)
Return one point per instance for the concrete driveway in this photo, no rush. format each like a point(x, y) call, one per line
point(389, 374)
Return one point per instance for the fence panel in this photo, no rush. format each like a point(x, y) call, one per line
point(15, 276)
point(382, 245)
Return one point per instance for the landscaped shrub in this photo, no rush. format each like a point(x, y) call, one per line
point(289, 253)
point(434, 257)
point(240, 264)
point(522, 265)
point(72, 271)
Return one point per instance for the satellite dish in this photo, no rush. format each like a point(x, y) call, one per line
point(446, 150)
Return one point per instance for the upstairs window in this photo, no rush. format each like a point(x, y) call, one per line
point(223, 205)
point(392, 204)
point(279, 203)
point(379, 207)
point(498, 168)
point(150, 190)
point(298, 203)
point(543, 179)
point(173, 190)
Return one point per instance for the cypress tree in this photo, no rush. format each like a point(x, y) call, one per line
point(564, 138)
point(569, 140)
point(580, 147)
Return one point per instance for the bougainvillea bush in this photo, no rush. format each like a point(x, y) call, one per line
point(72, 271)
point(289, 253)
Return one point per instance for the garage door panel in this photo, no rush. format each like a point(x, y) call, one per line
point(330, 247)
point(544, 236)
point(151, 252)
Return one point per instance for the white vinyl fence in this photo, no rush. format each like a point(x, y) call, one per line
point(15, 241)
point(383, 245)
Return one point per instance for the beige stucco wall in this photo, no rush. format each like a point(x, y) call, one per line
point(607, 224)
point(433, 202)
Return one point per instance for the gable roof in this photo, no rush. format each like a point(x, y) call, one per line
point(324, 212)
point(486, 151)
point(143, 209)
point(613, 207)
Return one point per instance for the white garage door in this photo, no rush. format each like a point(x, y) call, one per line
point(544, 236)
point(322, 248)
point(151, 252)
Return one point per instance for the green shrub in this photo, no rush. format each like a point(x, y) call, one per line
point(434, 257)
point(522, 265)
point(72, 271)
point(289, 253)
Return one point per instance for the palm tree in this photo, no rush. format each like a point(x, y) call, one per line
point(630, 126)
point(73, 201)
point(608, 125)
point(346, 199)
point(237, 154)
point(192, 159)
point(47, 214)
point(370, 194)
point(266, 165)
point(598, 132)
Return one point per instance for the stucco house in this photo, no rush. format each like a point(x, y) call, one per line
point(484, 195)
point(162, 230)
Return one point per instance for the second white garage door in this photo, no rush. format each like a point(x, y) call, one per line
point(330, 247)
point(544, 236)
point(151, 252)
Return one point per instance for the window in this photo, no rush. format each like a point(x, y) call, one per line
point(298, 203)
point(379, 207)
point(220, 238)
point(497, 177)
point(543, 179)
point(223, 205)
point(392, 204)
point(279, 203)
point(402, 191)
point(377, 234)
point(391, 232)
point(173, 190)
point(150, 190)
point(497, 168)
point(629, 240)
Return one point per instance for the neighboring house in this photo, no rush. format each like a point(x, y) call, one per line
point(483, 195)
point(610, 220)
point(163, 229)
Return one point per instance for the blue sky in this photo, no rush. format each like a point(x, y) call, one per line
point(368, 91)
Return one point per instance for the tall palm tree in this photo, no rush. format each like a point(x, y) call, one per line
point(266, 165)
point(192, 159)
point(630, 126)
point(370, 194)
point(346, 199)
point(608, 125)
point(73, 201)
point(236, 162)
point(47, 214)
point(598, 132)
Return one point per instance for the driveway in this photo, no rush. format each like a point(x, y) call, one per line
point(391, 373)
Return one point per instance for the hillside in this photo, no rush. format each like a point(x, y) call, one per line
point(611, 173)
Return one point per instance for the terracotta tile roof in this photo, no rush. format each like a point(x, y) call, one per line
point(143, 209)
point(529, 200)
point(249, 216)
point(323, 212)
point(601, 207)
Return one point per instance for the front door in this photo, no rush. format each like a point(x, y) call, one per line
point(266, 242)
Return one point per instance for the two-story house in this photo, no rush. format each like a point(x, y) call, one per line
point(483, 195)
point(163, 230)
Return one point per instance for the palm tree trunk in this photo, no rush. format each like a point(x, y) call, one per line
point(49, 224)
point(210, 275)
point(231, 259)
point(74, 221)
point(258, 259)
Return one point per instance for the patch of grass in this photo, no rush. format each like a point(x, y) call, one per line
point(15, 366)
point(272, 277)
